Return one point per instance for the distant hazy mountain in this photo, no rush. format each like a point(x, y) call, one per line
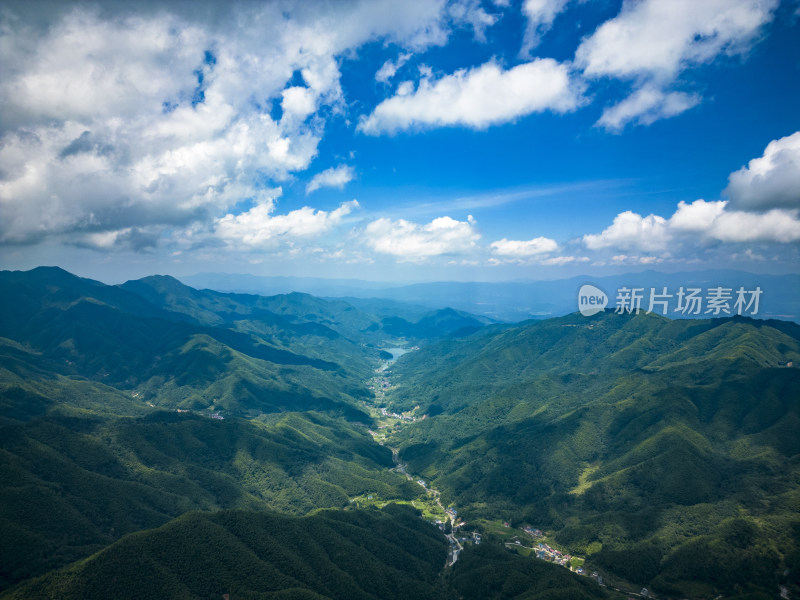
point(272, 285)
point(520, 300)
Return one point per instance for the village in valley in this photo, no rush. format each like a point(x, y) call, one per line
point(526, 540)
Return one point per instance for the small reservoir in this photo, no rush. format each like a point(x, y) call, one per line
point(395, 352)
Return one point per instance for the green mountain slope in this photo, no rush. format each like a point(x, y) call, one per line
point(28, 388)
point(488, 572)
point(86, 456)
point(73, 485)
point(310, 326)
point(373, 555)
point(664, 451)
point(636, 436)
point(82, 329)
point(289, 317)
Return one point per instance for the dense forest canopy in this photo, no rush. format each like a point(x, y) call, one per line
point(662, 452)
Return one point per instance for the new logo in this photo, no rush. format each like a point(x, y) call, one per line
point(591, 300)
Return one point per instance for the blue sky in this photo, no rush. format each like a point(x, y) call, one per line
point(408, 141)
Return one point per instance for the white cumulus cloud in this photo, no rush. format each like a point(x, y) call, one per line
point(478, 98)
point(336, 177)
point(770, 181)
point(409, 241)
point(558, 261)
point(775, 225)
point(526, 248)
point(123, 118)
point(646, 105)
point(652, 41)
point(471, 13)
point(389, 69)
point(540, 15)
point(659, 38)
point(696, 224)
point(259, 227)
point(298, 102)
point(630, 230)
point(697, 217)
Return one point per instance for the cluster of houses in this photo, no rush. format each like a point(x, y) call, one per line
point(381, 383)
point(378, 386)
point(537, 533)
point(545, 552)
point(386, 413)
point(452, 515)
point(213, 415)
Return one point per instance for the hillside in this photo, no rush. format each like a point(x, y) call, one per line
point(665, 452)
point(74, 485)
point(635, 439)
point(488, 572)
point(374, 555)
point(369, 555)
point(91, 445)
point(82, 329)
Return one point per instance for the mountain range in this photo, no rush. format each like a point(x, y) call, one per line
point(665, 450)
point(159, 438)
point(120, 405)
point(513, 301)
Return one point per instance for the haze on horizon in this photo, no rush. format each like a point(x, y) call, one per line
point(409, 141)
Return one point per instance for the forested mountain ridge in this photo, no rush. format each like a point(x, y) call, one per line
point(331, 555)
point(664, 451)
point(176, 347)
point(83, 329)
point(89, 453)
point(74, 485)
point(374, 555)
point(639, 440)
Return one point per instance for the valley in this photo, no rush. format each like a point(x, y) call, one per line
point(645, 452)
point(484, 454)
point(400, 300)
point(391, 424)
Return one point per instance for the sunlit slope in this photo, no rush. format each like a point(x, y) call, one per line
point(620, 430)
point(374, 555)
